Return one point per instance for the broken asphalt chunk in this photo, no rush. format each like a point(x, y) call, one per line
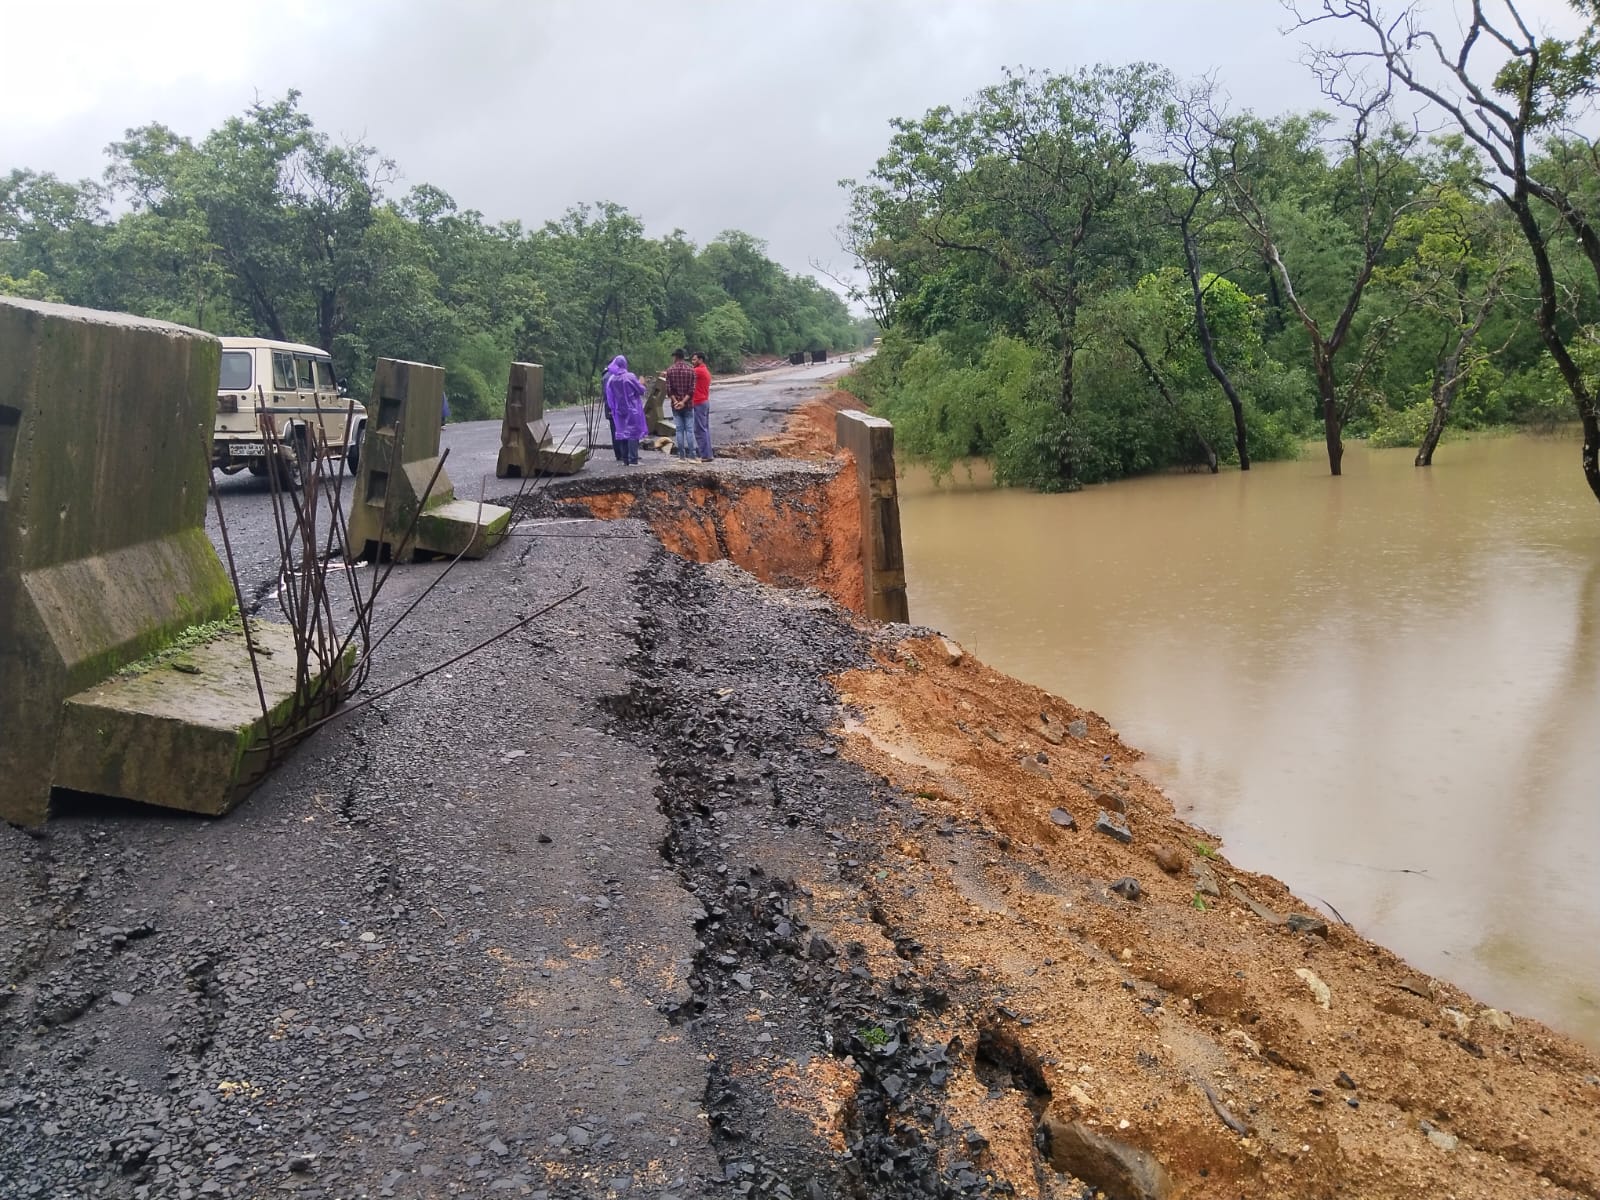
point(1115, 827)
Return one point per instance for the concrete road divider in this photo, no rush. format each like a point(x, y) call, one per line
point(124, 669)
point(404, 504)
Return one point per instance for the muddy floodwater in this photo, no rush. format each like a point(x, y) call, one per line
point(1384, 689)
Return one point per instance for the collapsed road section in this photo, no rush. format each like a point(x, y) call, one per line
point(700, 886)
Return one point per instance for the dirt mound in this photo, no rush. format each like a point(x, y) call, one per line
point(808, 431)
point(1154, 994)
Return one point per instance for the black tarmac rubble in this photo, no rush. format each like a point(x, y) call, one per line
point(499, 934)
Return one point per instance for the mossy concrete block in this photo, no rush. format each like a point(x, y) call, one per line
point(462, 527)
point(399, 459)
point(105, 438)
point(657, 419)
point(187, 729)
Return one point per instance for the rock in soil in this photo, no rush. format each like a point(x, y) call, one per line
point(1128, 888)
point(1113, 826)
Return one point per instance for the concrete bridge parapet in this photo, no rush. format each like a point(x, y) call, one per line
point(870, 441)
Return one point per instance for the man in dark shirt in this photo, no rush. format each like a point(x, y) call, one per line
point(680, 393)
point(702, 406)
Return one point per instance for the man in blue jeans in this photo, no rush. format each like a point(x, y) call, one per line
point(702, 406)
point(680, 394)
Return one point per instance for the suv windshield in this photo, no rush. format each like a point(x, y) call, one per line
point(235, 371)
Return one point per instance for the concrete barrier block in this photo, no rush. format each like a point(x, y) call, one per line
point(105, 437)
point(123, 665)
point(398, 459)
point(523, 431)
point(555, 461)
point(870, 441)
point(463, 527)
point(657, 419)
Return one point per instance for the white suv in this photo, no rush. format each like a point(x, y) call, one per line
point(294, 387)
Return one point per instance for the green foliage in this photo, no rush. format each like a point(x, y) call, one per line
point(951, 401)
point(1035, 254)
point(956, 396)
point(723, 335)
point(266, 226)
point(35, 285)
point(1401, 426)
point(475, 376)
point(189, 639)
point(873, 1035)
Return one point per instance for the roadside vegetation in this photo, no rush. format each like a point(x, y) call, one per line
point(1090, 274)
point(267, 226)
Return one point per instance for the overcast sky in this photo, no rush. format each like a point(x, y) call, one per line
point(704, 116)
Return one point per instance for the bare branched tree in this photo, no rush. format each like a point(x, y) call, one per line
point(1192, 140)
point(1375, 153)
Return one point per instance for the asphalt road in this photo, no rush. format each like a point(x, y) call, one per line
point(742, 408)
point(523, 928)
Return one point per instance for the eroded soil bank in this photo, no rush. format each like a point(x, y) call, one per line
point(927, 967)
point(1103, 972)
point(788, 522)
point(1162, 997)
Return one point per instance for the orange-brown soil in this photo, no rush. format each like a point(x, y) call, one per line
point(804, 535)
point(1249, 1054)
point(1129, 1011)
point(809, 430)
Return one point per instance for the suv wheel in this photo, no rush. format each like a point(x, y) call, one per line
point(353, 454)
point(290, 464)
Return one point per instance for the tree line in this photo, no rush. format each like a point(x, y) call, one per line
point(267, 226)
point(1087, 274)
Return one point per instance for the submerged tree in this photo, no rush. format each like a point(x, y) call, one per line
point(1538, 86)
point(1457, 267)
point(1373, 182)
point(1187, 191)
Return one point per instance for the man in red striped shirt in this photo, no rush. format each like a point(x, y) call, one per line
point(702, 406)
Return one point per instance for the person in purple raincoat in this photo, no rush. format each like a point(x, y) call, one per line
point(625, 403)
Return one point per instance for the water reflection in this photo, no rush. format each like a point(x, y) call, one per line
point(1384, 688)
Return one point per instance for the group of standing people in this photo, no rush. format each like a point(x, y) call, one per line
point(688, 391)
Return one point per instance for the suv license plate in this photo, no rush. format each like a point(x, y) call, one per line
point(247, 450)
